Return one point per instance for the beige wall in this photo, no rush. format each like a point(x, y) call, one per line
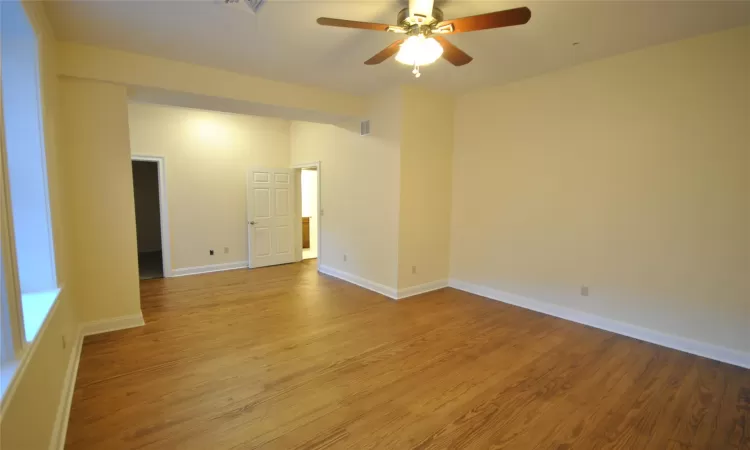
point(425, 197)
point(146, 197)
point(94, 138)
point(359, 179)
point(29, 415)
point(630, 175)
point(387, 196)
point(102, 64)
point(207, 155)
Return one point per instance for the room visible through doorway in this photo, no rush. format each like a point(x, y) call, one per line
point(148, 219)
point(309, 189)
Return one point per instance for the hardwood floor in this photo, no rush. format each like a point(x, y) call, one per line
point(282, 358)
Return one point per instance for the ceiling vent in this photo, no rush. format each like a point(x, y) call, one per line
point(246, 5)
point(364, 128)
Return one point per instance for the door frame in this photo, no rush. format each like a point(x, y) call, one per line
point(166, 254)
point(298, 211)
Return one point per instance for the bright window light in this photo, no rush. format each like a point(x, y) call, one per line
point(35, 308)
point(26, 167)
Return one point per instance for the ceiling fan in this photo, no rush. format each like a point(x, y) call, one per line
point(424, 26)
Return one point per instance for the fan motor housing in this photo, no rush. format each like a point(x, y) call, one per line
point(405, 20)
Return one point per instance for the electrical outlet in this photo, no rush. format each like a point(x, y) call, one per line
point(211, 252)
point(321, 212)
point(414, 270)
point(226, 250)
point(344, 257)
point(585, 291)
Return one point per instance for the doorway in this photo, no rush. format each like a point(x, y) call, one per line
point(150, 217)
point(308, 212)
point(309, 191)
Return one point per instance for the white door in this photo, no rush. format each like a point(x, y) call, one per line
point(270, 211)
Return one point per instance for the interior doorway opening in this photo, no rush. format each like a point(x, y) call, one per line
point(308, 224)
point(150, 217)
point(309, 204)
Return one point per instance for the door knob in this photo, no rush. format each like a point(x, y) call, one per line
point(252, 222)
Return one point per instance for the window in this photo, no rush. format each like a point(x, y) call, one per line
point(28, 251)
point(6, 338)
point(8, 361)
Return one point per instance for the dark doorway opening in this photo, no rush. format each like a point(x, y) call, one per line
point(147, 219)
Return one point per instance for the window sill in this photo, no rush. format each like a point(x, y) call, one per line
point(41, 305)
point(36, 307)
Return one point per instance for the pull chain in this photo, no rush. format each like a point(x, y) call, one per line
point(416, 71)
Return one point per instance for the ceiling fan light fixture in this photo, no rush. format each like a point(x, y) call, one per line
point(424, 27)
point(419, 51)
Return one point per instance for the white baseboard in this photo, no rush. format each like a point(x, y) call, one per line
point(706, 350)
point(207, 269)
point(359, 281)
point(114, 324)
point(381, 288)
point(422, 288)
point(66, 398)
point(87, 329)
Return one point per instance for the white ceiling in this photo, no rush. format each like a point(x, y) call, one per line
point(283, 42)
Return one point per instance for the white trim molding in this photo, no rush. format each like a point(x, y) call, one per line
point(422, 288)
point(315, 164)
point(706, 350)
point(359, 281)
point(113, 324)
point(208, 269)
point(60, 429)
point(395, 294)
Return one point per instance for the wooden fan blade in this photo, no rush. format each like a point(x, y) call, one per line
point(497, 19)
point(451, 53)
point(352, 24)
point(385, 53)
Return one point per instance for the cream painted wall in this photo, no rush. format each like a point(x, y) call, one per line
point(29, 414)
point(309, 194)
point(630, 175)
point(425, 197)
point(132, 69)
point(94, 138)
point(360, 189)
point(207, 155)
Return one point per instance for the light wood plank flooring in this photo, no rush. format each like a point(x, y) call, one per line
point(284, 358)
